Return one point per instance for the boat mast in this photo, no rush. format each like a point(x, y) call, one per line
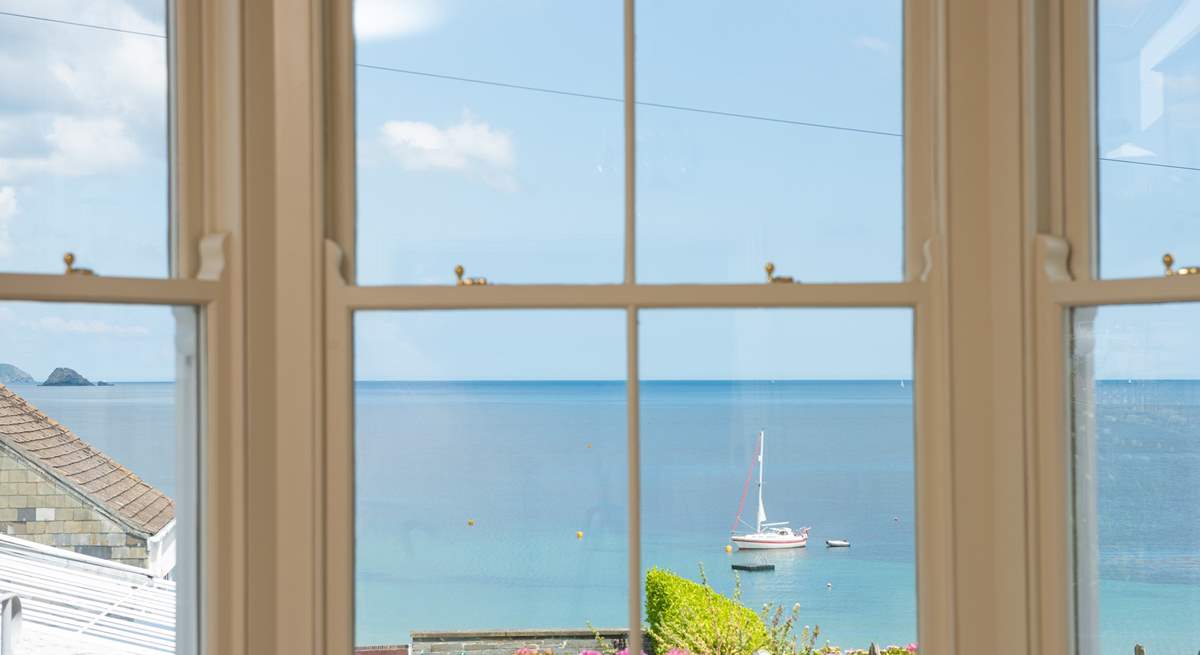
point(762, 512)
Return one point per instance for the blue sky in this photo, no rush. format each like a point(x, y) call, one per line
point(526, 184)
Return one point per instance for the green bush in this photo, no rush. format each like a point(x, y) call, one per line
point(693, 617)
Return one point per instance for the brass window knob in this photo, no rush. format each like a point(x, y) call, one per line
point(777, 279)
point(1169, 264)
point(468, 281)
point(69, 260)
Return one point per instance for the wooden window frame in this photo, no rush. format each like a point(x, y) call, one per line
point(198, 279)
point(1067, 280)
point(999, 206)
point(343, 298)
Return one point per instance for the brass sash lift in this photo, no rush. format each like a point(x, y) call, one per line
point(1169, 263)
point(468, 281)
point(72, 269)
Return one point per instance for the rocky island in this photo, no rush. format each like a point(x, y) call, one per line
point(10, 374)
point(65, 377)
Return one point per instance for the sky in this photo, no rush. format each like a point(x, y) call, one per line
point(490, 134)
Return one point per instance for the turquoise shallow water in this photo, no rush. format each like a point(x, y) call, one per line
point(532, 463)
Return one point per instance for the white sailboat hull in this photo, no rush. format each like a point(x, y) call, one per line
point(768, 541)
point(766, 536)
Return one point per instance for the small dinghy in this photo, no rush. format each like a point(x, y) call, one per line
point(753, 567)
point(837, 543)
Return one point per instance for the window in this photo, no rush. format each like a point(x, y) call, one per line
point(833, 413)
point(506, 156)
point(98, 447)
point(83, 137)
point(104, 410)
point(529, 414)
point(1148, 139)
point(490, 474)
point(771, 133)
point(1137, 465)
point(1119, 349)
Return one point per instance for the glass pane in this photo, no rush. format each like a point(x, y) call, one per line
point(770, 132)
point(98, 477)
point(1137, 472)
point(490, 479)
point(83, 137)
point(824, 521)
point(490, 135)
point(1148, 78)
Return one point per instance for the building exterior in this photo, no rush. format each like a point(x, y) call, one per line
point(57, 490)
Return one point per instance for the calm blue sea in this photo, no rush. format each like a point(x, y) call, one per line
point(533, 463)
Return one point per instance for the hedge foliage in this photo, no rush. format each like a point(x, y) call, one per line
point(693, 617)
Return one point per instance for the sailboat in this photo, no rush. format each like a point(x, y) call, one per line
point(766, 535)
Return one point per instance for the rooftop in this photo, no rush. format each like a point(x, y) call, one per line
point(78, 605)
point(53, 448)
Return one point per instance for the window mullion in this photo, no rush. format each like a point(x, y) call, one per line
point(633, 454)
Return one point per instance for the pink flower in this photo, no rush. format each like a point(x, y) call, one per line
point(912, 648)
point(589, 652)
point(678, 651)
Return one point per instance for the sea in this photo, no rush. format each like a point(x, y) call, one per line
point(504, 505)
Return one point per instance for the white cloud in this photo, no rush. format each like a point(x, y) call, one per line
point(1129, 151)
point(57, 324)
point(78, 101)
point(78, 146)
point(388, 19)
point(875, 44)
point(471, 146)
point(8, 209)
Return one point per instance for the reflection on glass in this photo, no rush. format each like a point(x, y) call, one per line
point(490, 478)
point(83, 137)
point(827, 396)
point(1137, 472)
point(1148, 77)
point(98, 466)
point(769, 133)
point(489, 135)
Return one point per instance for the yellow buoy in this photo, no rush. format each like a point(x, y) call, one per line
point(579, 534)
point(728, 548)
point(470, 521)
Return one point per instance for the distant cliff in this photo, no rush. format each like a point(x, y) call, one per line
point(10, 374)
point(65, 377)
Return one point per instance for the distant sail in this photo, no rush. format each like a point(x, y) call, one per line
point(762, 511)
point(766, 535)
